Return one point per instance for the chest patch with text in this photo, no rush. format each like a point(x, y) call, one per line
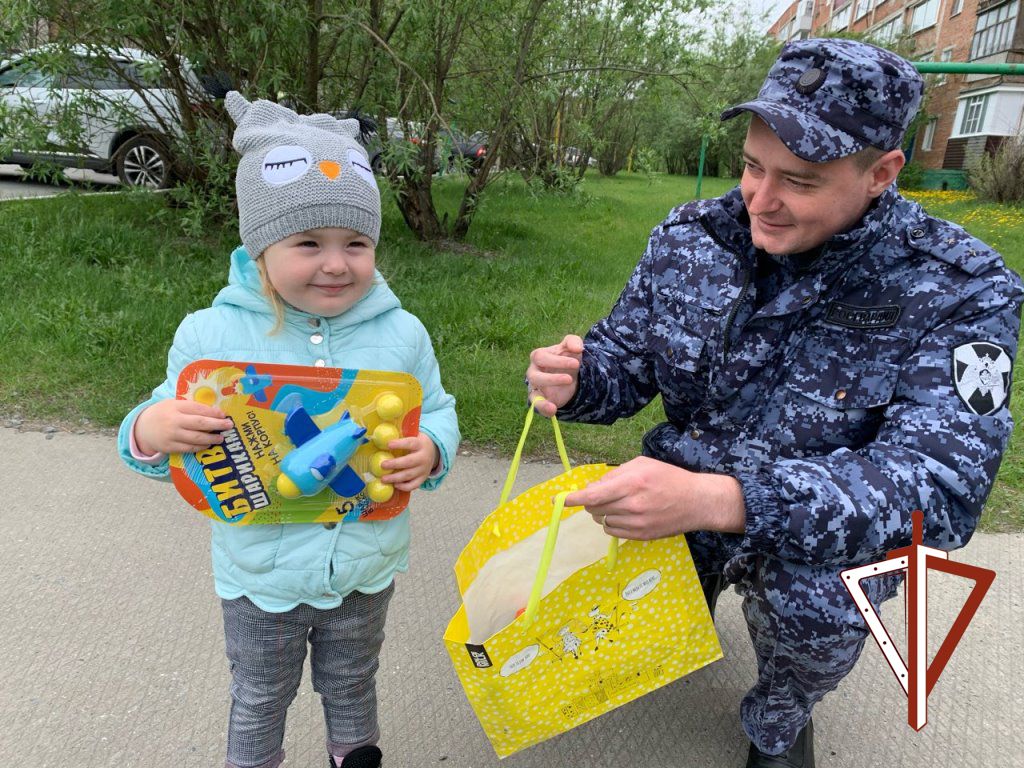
point(862, 317)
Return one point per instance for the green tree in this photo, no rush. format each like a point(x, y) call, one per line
point(728, 69)
point(600, 63)
point(538, 76)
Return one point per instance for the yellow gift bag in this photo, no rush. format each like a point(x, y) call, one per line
point(556, 630)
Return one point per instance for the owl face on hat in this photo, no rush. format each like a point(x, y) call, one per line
point(297, 173)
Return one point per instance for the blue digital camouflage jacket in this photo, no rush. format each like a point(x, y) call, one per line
point(873, 383)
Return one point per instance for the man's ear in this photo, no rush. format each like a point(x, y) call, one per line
point(885, 170)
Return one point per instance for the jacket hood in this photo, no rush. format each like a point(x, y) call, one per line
point(245, 290)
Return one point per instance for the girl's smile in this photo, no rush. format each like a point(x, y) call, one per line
point(322, 271)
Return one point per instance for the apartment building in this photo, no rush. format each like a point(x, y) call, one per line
point(965, 114)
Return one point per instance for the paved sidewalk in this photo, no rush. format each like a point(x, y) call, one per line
point(112, 653)
point(14, 185)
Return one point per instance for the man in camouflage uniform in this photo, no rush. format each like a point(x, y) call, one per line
point(830, 358)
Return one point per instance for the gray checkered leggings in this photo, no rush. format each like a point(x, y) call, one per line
point(267, 652)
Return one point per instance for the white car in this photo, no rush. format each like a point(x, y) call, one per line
point(107, 110)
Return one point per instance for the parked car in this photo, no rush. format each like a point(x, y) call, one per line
point(404, 138)
point(574, 156)
point(416, 134)
point(461, 149)
point(403, 149)
point(112, 111)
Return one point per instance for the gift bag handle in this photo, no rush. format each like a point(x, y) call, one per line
point(611, 559)
point(513, 470)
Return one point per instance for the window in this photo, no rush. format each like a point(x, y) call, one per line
point(863, 8)
point(889, 31)
point(24, 74)
point(929, 134)
point(974, 114)
point(91, 75)
point(958, 5)
point(924, 15)
point(97, 74)
point(841, 18)
point(946, 56)
point(994, 31)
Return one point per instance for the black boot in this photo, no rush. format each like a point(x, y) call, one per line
point(363, 757)
point(712, 586)
point(800, 755)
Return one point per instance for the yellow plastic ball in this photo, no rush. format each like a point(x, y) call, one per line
point(205, 395)
point(376, 459)
point(378, 491)
point(384, 434)
point(389, 406)
point(287, 487)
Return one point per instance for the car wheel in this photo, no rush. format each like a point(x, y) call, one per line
point(143, 161)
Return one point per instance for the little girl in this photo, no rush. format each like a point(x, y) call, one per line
point(303, 289)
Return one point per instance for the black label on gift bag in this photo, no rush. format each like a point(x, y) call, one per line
point(479, 656)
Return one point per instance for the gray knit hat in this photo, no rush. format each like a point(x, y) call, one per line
point(299, 172)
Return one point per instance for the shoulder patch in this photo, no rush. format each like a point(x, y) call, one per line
point(981, 376)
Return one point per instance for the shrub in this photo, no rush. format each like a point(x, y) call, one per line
point(646, 161)
point(999, 178)
point(206, 191)
point(911, 176)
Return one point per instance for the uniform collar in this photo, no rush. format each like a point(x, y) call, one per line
point(818, 272)
point(871, 226)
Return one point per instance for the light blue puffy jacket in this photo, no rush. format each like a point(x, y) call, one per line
point(280, 566)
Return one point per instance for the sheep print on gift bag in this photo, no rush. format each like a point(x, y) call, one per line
point(559, 622)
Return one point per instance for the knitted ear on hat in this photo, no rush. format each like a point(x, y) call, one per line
point(299, 172)
point(236, 105)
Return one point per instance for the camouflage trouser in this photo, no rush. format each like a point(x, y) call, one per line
point(806, 631)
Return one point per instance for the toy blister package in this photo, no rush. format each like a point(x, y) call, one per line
point(306, 443)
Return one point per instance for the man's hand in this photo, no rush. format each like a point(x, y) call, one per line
point(554, 374)
point(649, 499)
point(407, 472)
point(179, 426)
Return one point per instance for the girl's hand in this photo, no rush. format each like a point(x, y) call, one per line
point(408, 472)
point(179, 426)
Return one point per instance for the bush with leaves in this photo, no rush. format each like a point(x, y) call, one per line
point(559, 179)
point(999, 177)
point(647, 161)
point(207, 199)
point(911, 176)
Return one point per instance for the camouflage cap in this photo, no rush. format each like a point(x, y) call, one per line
point(829, 98)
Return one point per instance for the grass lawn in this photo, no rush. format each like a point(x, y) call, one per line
point(1002, 227)
point(96, 286)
